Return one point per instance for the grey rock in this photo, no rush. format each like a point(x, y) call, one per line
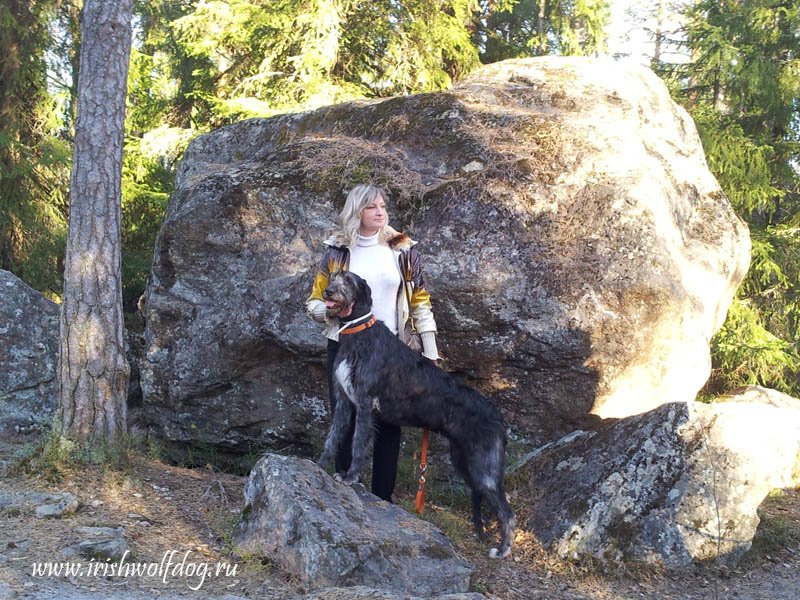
point(111, 549)
point(331, 535)
point(672, 486)
point(580, 271)
point(29, 333)
point(106, 532)
point(42, 504)
point(66, 504)
point(6, 592)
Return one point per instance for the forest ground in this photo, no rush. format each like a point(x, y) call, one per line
point(166, 508)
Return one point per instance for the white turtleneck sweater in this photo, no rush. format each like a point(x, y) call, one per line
point(376, 263)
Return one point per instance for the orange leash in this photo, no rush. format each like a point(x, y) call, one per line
point(419, 502)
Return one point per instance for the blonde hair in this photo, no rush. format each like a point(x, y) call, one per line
point(358, 198)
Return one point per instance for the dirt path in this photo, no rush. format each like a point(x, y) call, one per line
point(172, 513)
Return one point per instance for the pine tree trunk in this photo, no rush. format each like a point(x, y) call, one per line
point(93, 369)
point(660, 16)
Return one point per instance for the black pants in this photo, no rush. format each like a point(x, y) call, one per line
point(385, 450)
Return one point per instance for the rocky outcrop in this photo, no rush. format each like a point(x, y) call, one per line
point(28, 358)
point(42, 504)
point(762, 395)
point(678, 484)
point(332, 535)
point(579, 252)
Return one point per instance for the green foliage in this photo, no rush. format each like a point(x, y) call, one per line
point(150, 91)
point(33, 160)
point(56, 454)
point(147, 182)
point(743, 90)
point(519, 28)
point(742, 165)
point(198, 64)
point(260, 58)
point(746, 353)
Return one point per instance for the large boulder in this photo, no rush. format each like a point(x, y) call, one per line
point(329, 534)
point(676, 485)
point(28, 358)
point(579, 252)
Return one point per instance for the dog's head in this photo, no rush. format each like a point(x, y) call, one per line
point(347, 296)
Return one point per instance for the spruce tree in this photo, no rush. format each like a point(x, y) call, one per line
point(742, 87)
point(33, 158)
point(520, 28)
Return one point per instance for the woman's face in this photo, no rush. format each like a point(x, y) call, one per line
point(373, 217)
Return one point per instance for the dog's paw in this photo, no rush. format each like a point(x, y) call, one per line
point(338, 477)
point(350, 479)
point(495, 553)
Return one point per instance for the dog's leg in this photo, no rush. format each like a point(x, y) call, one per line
point(340, 425)
point(458, 457)
point(505, 515)
point(485, 472)
point(362, 438)
point(477, 519)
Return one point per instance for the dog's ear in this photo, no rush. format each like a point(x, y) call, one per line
point(364, 291)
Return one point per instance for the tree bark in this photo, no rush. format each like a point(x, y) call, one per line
point(660, 17)
point(93, 369)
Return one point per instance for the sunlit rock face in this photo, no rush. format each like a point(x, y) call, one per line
point(673, 486)
point(579, 253)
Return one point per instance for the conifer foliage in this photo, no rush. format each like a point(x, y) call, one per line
point(254, 57)
point(33, 160)
point(519, 28)
point(199, 64)
point(742, 87)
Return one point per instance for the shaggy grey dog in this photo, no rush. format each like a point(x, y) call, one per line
point(375, 371)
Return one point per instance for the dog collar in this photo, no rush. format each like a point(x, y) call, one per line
point(358, 320)
point(355, 329)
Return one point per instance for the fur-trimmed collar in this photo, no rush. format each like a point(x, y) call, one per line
point(391, 237)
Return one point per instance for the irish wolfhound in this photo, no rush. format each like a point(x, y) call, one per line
point(375, 372)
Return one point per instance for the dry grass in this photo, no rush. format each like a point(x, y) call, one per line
point(197, 510)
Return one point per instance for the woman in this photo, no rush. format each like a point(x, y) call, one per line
point(387, 260)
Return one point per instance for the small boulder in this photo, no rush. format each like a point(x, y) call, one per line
point(102, 532)
point(114, 550)
point(104, 543)
point(42, 504)
point(58, 505)
point(762, 395)
point(29, 354)
point(329, 534)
